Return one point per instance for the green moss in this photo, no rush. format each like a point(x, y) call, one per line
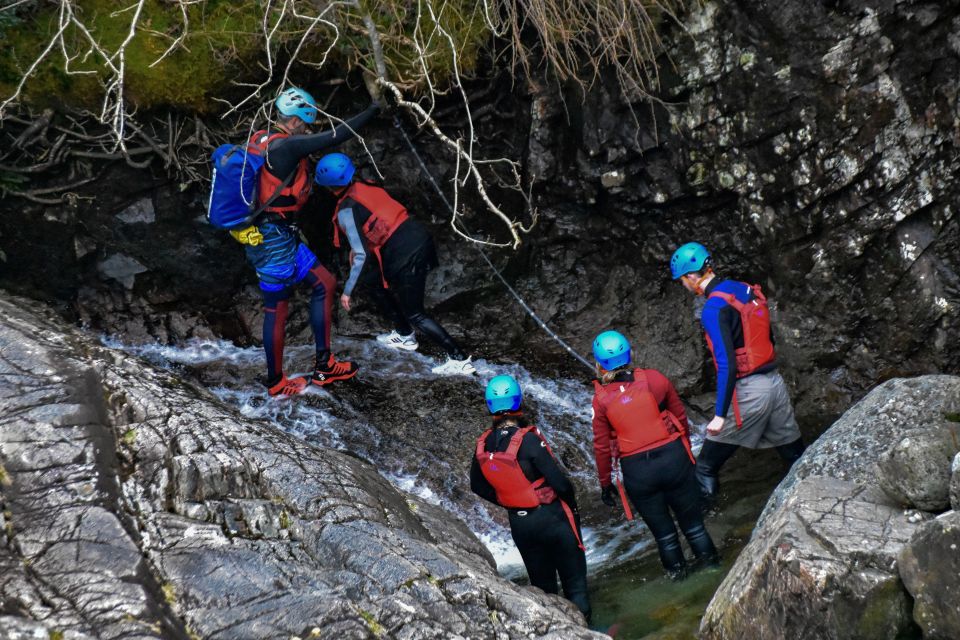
point(375, 627)
point(284, 519)
point(952, 417)
point(5, 480)
point(55, 634)
point(130, 437)
point(169, 592)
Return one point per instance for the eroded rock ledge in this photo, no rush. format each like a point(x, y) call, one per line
point(138, 506)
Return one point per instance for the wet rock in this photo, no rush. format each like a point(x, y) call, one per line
point(822, 561)
point(915, 472)
point(955, 483)
point(140, 211)
point(145, 508)
point(930, 568)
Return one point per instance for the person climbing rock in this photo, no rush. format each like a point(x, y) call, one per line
point(273, 245)
point(514, 468)
point(753, 406)
point(377, 225)
point(640, 424)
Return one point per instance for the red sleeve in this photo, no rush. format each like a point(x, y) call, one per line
point(601, 442)
point(666, 396)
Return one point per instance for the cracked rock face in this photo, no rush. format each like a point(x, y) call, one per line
point(823, 560)
point(930, 566)
point(137, 506)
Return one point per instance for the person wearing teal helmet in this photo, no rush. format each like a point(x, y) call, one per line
point(640, 425)
point(514, 468)
point(377, 226)
point(753, 407)
point(274, 246)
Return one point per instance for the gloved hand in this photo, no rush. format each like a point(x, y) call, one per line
point(251, 235)
point(607, 496)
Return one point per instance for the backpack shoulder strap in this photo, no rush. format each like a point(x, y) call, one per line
point(516, 441)
point(482, 443)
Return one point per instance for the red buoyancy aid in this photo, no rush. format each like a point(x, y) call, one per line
point(636, 418)
point(757, 350)
point(503, 472)
point(269, 185)
point(386, 215)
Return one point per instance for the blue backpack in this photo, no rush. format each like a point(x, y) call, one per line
point(233, 185)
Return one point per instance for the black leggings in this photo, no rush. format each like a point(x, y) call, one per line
point(402, 304)
point(714, 454)
point(658, 482)
point(548, 547)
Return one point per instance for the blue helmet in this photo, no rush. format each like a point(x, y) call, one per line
point(611, 350)
point(334, 170)
point(297, 102)
point(503, 394)
point(690, 257)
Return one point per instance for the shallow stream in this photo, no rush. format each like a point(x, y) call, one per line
point(631, 598)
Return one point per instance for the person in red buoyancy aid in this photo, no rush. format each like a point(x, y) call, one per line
point(379, 231)
point(753, 406)
point(273, 244)
point(513, 467)
point(640, 423)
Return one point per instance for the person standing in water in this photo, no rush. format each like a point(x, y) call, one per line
point(514, 468)
point(638, 418)
point(403, 254)
point(753, 406)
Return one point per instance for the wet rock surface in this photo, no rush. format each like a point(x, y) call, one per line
point(822, 561)
point(929, 566)
point(136, 505)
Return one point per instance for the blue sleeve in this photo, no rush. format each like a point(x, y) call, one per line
point(349, 227)
point(717, 322)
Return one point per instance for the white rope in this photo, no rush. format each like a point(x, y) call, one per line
point(483, 254)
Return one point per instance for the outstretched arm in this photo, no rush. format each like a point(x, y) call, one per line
point(284, 153)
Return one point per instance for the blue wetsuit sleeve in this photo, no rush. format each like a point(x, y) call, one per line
point(349, 226)
point(718, 323)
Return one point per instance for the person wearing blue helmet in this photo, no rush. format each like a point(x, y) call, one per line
point(753, 406)
point(273, 244)
point(640, 424)
point(403, 253)
point(513, 467)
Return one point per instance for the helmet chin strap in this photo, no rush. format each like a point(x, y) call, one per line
point(698, 286)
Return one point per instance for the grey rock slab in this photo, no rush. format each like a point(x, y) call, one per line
point(122, 268)
point(144, 507)
point(140, 211)
point(930, 568)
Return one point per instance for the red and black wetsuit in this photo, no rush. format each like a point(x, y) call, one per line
point(543, 534)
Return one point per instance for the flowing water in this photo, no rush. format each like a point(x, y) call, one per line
point(631, 598)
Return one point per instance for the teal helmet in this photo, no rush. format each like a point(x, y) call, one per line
point(691, 257)
point(611, 350)
point(503, 394)
point(334, 170)
point(297, 102)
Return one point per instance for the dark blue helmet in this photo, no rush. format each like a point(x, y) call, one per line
point(611, 350)
point(334, 170)
point(503, 394)
point(688, 258)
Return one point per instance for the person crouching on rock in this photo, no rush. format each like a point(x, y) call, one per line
point(273, 244)
point(377, 225)
point(513, 467)
point(753, 407)
point(638, 418)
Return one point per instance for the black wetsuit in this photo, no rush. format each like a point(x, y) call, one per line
point(543, 535)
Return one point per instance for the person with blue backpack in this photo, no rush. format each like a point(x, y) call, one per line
point(402, 253)
point(753, 406)
point(258, 191)
point(513, 467)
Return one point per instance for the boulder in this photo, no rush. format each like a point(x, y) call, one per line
point(930, 568)
point(139, 506)
point(955, 483)
point(915, 472)
point(822, 561)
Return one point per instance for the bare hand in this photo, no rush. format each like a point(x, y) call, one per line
point(716, 425)
point(345, 302)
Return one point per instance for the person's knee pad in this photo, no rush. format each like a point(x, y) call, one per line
point(701, 544)
point(671, 553)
